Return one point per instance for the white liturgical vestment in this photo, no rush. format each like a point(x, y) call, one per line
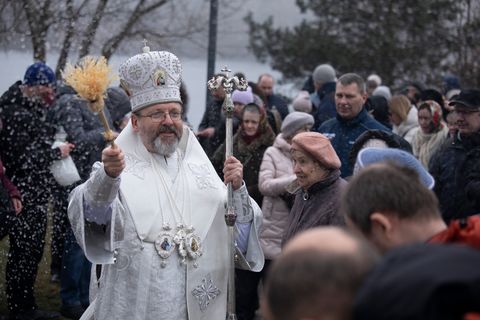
point(164, 245)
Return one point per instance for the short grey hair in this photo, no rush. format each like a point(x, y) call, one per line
point(349, 78)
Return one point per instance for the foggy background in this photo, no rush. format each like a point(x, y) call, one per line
point(232, 43)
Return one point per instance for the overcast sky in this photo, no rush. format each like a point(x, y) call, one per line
point(232, 37)
point(232, 42)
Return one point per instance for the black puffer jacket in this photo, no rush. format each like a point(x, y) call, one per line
point(471, 173)
point(25, 142)
point(456, 169)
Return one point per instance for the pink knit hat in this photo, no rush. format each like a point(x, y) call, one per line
point(318, 147)
point(302, 102)
point(242, 97)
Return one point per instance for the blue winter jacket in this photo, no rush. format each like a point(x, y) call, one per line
point(325, 104)
point(343, 133)
point(279, 103)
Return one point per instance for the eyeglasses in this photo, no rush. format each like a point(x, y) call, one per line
point(160, 116)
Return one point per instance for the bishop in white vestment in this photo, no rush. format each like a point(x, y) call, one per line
point(152, 213)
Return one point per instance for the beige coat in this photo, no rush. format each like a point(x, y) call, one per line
point(276, 172)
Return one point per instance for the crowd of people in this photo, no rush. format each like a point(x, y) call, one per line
point(354, 201)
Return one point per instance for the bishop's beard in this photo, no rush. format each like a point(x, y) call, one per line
point(166, 148)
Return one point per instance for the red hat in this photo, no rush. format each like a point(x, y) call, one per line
point(318, 147)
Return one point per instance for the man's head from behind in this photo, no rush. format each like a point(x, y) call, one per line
point(317, 276)
point(390, 206)
point(350, 95)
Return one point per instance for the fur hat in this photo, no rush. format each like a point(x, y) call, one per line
point(318, 147)
point(39, 74)
point(302, 102)
point(151, 77)
point(242, 97)
point(324, 73)
point(295, 121)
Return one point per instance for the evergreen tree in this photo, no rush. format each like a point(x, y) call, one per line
point(399, 40)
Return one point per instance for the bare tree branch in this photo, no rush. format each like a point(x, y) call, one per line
point(39, 24)
point(67, 41)
point(112, 44)
point(92, 28)
point(84, 26)
point(11, 13)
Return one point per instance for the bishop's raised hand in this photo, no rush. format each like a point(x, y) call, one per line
point(113, 161)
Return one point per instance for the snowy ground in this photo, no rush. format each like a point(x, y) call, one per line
point(14, 64)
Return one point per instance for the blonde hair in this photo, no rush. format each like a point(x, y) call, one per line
point(400, 105)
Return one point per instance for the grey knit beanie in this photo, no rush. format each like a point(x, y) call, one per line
point(324, 73)
point(382, 91)
point(302, 102)
point(295, 121)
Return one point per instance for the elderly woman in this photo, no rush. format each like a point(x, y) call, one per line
point(276, 173)
point(433, 131)
point(317, 201)
point(403, 117)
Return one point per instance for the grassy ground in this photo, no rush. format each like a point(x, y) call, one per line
point(47, 294)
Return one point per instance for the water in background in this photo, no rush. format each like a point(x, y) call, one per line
point(14, 64)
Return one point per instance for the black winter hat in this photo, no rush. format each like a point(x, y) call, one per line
point(467, 98)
